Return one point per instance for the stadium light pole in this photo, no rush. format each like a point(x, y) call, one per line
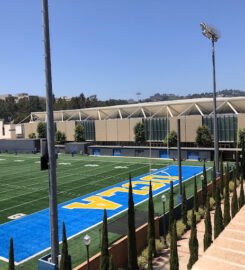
point(212, 34)
point(50, 140)
point(87, 241)
point(164, 220)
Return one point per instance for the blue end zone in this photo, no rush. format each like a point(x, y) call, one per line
point(31, 234)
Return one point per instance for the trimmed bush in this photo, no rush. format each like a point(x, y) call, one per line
point(211, 203)
point(180, 229)
point(159, 246)
point(201, 212)
point(189, 216)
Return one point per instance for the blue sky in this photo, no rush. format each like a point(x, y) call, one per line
point(115, 48)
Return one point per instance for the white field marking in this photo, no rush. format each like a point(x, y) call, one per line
point(71, 237)
point(11, 156)
point(121, 167)
point(91, 165)
point(2, 159)
point(17, 216)
point(61, 192)
point(57, 193)
point(38, 162)
point(93, 159)
point(18, 160)
point(63, 176)
point(40, 177)
point(64, 163)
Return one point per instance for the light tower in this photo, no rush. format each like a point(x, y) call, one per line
point(212, 34)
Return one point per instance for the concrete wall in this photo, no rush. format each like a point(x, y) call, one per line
point(68, 127)
point(19, 145)
point(241, 121)
point(145, 152)
point(7, 131)
point(188, 126)
point(30, 128)
point(115, 130)
point(119, 250)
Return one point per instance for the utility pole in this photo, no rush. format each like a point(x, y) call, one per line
point(212, 34)
point(50, 140)
point(179, 157)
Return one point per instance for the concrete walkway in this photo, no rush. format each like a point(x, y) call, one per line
point(227, 251)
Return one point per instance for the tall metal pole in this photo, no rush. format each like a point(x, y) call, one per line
point(215, 126)
point(50, 138)
point(179, 156)
point(212, 34)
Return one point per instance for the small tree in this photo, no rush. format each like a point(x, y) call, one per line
point(139, 133)
point(204, 138)
point(151, 230)
point(184, 208)
point(241, 135)
point(64, 263)
point(241, 197)
point(242, 140)
point(204, 185)
point(207, 241)
point(193, 242)
point(234, 201)
point(42, 130)
point(227, 214)
point(171, 139)
point(60, 137)
point(32, 135)
point(171, 207)
point(218, 218)
point(221, 175)
point(174, 259)
point(104, 259)
point(196, 206)
point(79, 133)
point(11, 255)
point(132, 248)
point(214, 183)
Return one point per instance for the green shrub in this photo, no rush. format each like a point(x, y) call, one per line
point(189, 217)
point(231, 185)
point(159, 246)
point(212, 203)
point(180, 228)
point(142, 262)
point(143, 259)
point(145, 253)
point(201, 212)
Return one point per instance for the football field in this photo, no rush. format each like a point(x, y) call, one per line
point(24, 188)
point(83, 183)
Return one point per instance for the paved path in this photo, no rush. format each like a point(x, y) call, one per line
point(226, 253)
point(228, 250)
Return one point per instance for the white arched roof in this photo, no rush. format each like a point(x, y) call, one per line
point(175, 108)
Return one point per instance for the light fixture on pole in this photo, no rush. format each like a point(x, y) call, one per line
point(164, 220)
point(212, 34)
point(87, 241)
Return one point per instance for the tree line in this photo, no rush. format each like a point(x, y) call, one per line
point(17, 110)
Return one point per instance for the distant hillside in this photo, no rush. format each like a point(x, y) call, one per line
point(16, 109)
point(222, 93)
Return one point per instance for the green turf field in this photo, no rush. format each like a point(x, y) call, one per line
point(24, 188)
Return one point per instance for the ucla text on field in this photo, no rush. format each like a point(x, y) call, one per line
point(32, 235)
